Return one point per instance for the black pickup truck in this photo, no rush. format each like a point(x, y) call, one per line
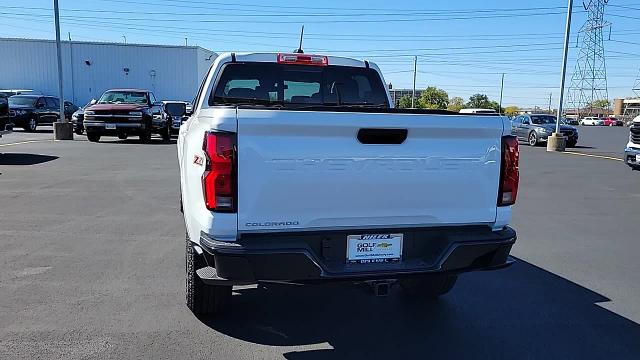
point(124, 112)
point(5, 125)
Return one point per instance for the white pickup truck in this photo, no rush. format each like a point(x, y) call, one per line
point(296, 168)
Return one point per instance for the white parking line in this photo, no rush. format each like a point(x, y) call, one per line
point(595, 156)
point(23, 142)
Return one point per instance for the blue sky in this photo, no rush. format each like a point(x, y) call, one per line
point(463, 46)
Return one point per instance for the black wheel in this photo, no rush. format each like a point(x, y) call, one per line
point(432, 286)
point(79, 130)
point(31, 125)
point(571, 144)
point(533, 139)
point(202, 299)
point(145, 137)
point(93, 137)
point(122, 136)
point(166, 134)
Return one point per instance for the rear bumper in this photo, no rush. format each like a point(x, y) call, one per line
point(308, 257)
point(630, 156)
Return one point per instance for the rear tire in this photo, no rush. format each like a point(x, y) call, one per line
point(93, 137)
point(533, 139)
point(79, 131)
point(122, 136)
point(432, 286)
point(203, 299)
point(166, 134)
point(571, 144)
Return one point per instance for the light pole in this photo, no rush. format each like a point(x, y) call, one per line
point(62, 129)
point(557, 142)
point(413, 93)
point(501, 89)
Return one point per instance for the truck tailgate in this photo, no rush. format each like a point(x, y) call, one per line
point(304, 170)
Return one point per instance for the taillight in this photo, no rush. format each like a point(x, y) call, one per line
point(219, 180)
point(509, 173)
point(303, 59)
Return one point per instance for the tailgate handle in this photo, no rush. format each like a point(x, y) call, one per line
point(382, 136)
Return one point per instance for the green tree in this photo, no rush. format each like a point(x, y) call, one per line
point(404, 102)
point(456, 104)
point(511, 110)
point(600, 104)
point(495, 106)
point(479, 101)
point(433, 98)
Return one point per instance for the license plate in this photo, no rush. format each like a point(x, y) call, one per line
point(110, 126)
point(374, 248)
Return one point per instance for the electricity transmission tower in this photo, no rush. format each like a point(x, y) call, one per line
point(589, 79)
point(632, 106)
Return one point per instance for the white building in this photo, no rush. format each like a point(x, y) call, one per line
point(89, 68)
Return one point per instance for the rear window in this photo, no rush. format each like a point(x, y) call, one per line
point(22, 101)
point(295, 85)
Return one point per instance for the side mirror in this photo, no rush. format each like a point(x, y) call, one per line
point(93, 101)
point(175, 109)
point(189, 110)
point(39, 106)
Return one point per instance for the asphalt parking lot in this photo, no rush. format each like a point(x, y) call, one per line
point(92, 255)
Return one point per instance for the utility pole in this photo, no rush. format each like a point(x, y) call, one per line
point(501, 89)
point(73, 87)
point(186, 42)
point(550, 102)
point(62, 129)
point(415, 70)
point(556, 142)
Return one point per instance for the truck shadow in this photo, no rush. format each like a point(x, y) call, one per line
point(24, 159)
point(520, 312)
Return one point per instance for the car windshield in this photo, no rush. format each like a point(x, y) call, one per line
point(543, 119)
point(123, 97)
point(295, 85)
point(22, 101)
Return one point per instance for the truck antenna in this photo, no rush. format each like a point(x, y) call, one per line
point(299, 50)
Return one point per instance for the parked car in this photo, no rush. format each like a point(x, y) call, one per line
point(571, 121)
point(30, 111)
point(276, 182)
point(611, 121)
point(6, 126)
point(77, 119)
point(124, 112)
point(536, 128)
point(69, 109)
point(175, 121)
point(591, 121)
point(477, 111)
point(632, 151)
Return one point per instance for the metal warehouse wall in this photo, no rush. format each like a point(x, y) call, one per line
point(171, 72)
